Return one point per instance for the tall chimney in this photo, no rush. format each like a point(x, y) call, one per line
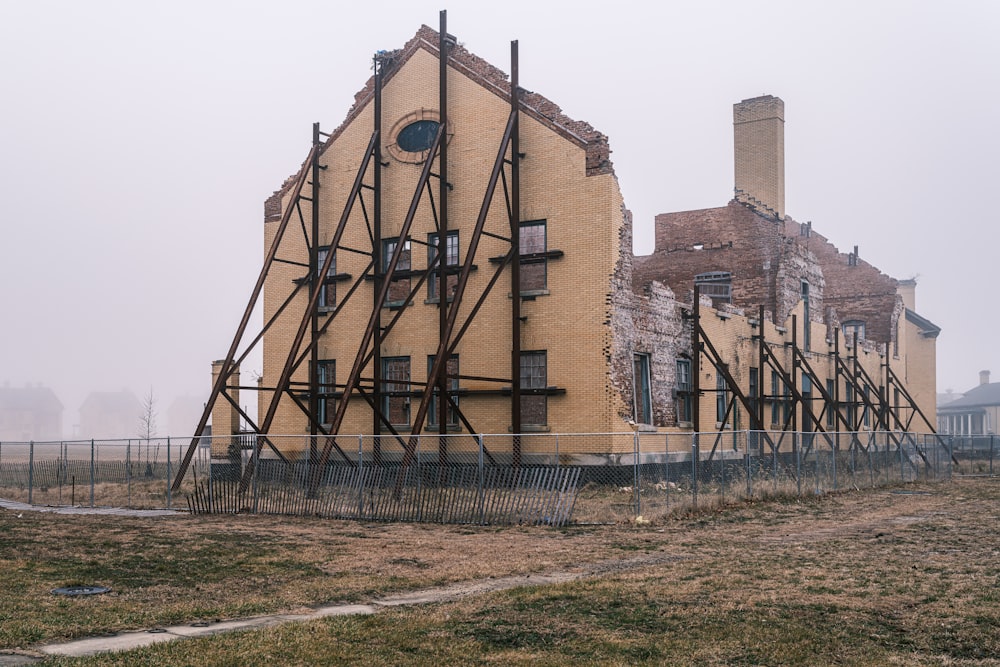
point(759, 141)
point(908, 290)
point(984, 377)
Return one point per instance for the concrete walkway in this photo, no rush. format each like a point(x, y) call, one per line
point(131, 640)
point(15, 506)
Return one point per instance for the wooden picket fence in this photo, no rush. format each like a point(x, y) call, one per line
point(536, 495)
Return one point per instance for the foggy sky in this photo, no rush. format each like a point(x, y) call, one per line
point(139, 140)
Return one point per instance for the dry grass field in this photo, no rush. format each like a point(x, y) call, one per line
point(907, 575)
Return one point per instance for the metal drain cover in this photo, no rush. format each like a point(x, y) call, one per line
point(81, 590)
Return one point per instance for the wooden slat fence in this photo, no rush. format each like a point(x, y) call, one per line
point(433, 494)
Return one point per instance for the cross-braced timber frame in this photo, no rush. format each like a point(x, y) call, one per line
point(303, 346)
point(894, 417)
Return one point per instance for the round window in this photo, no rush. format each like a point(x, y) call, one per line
point(418, 136)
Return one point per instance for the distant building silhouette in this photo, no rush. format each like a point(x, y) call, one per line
point(110, 414)
point(30, 413)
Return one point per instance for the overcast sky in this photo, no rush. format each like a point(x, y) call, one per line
point(139, 140)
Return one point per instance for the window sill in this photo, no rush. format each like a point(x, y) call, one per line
point(452, 428)
point(532, 428)
point(685, 424)
point(531, 294)
point(646, 428)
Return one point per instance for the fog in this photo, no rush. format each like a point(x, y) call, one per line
point(139, 140)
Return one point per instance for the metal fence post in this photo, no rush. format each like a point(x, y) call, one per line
point(902, 468)
point(833, 460)
point(482, 472)
point(255, 457)
point(91, 473)
point(798, 463)
point(774, 466)
point(746, 457)
point(694, 469)
point(666, 468)
point(635, 473)
point(31, 470)
point(722, 472)
point(361, 476)
point(991, 454)
point(168, 473)
point(128, 470)
point(420, 485)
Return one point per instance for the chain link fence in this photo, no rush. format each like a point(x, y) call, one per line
point(540, 478)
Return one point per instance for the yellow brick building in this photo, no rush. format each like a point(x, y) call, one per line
point(596, 340)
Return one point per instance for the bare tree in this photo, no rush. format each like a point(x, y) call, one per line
point(147, 424)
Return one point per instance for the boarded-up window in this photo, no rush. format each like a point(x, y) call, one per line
point(533, 385)
point(534, 262)
point(396, 390)
point(715, 284)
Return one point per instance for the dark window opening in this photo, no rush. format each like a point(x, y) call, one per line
point(418, 136)
point(326, 407)
point(684, 401)
point(399, 288)
point(327, 291)
point(642, 401)
point(850, 407)
point(721, 396)
point(534, 263)
point(451, 259)
point(831, 417)
point(534, 407)
point(452, 384)
point(396, 390)
point(776, 385)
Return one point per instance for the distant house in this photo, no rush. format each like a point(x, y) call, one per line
point(975, 413)
point(30, 413)
point(110, 414)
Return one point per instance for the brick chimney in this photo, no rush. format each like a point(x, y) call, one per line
point(225, 420)
point(984, 378)
point(759, 142)
point(908, 290)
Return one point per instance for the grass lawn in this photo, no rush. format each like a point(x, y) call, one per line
point(892, 576)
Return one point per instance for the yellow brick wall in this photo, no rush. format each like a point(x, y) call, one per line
point(583, 214)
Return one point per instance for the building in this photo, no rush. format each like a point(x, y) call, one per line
point(447, 158)
point(111, 414)
point(30, 413)
point(844, 348)
point(977, 412)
